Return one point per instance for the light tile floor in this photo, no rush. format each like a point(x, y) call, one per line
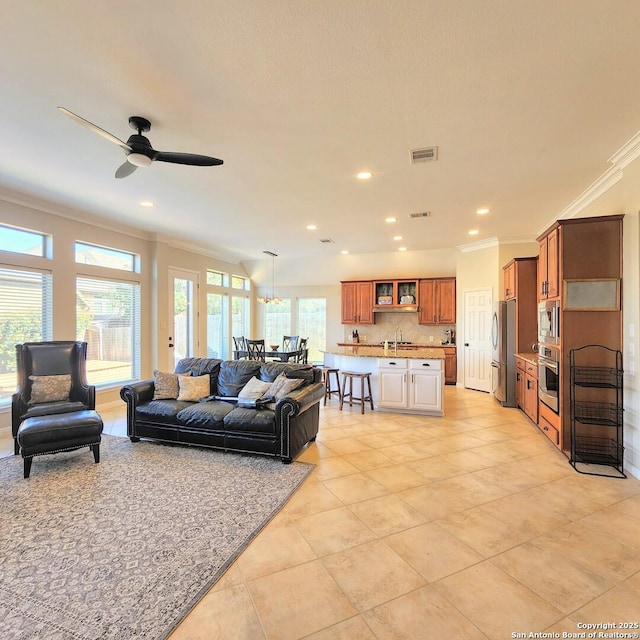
point(470, 526)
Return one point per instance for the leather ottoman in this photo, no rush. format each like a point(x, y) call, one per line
point(41, 435)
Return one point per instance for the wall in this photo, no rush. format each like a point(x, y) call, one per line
point(65, 227)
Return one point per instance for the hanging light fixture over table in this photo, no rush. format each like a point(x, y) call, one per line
point(272, 299)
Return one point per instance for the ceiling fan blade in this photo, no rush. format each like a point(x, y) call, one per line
point(95, 128)
point(125, 170)
point(187, 158)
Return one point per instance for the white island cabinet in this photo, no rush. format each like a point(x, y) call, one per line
point(411, 385)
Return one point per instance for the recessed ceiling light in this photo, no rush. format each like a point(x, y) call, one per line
point(391, 219)
point(402, 248)
point(364, 175)
point(474, 232)
point(344, 252)
point(311, 227)
point(482, 211)
point(146, 203)
point(397, 237)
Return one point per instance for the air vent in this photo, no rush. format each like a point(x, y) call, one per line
point(426, 154)
point(326, 240)
point(423, 214)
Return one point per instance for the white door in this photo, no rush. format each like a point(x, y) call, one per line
point(478, 313)
point(183, 314)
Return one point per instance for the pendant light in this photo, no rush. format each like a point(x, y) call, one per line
point(273, 299)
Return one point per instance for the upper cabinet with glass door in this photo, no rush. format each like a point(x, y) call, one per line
point(399, 295)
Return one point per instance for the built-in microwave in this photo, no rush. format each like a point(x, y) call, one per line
point(549, 322)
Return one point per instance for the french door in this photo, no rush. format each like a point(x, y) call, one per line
point(183, 314)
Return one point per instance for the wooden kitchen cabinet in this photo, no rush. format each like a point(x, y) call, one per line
point(357, 302)
point(521, 372)
point(450, 365)
point(509, 277)
point(520, 285)
point(437, 298)
point(396, 294)
point(548, 266)
point(531, 392)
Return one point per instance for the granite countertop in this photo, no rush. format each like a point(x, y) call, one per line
point(373, 351)
point(401, 347)
point(530, 357)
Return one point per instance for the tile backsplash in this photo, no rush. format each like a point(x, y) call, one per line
point(407, 323)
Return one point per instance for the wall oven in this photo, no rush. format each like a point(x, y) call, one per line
point(548, 379)
point(549, 322)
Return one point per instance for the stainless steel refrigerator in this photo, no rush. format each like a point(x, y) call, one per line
point(503, 341)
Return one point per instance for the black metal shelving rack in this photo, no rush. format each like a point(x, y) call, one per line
point(596, 402)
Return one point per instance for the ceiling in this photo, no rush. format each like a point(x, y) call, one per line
point(525, 101)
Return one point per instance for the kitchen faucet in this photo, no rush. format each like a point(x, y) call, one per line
point(395, 342)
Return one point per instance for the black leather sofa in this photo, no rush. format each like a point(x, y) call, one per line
point(281, 431)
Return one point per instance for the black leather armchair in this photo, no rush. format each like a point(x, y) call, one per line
point(81, 429)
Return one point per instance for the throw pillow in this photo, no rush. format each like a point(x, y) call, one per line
point(254, 389)
point(166, 385)
point(282, 386)
point(193, 388)
point(50, 388)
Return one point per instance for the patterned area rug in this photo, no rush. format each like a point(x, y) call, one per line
point(125, 548)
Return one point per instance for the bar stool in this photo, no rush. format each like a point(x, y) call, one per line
point(349, 376)
point(327, 372)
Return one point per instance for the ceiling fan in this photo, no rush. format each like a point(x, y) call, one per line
point(138, 149)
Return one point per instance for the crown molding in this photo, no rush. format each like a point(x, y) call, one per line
point(622, 158)
point(494, 242)
point(197, 249)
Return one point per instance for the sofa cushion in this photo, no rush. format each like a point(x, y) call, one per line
point(188, 365)
point(193, 387)
point(50, 408)
point(199, 367)
point(205, 415)
point(164, 411)
point(269, 371)
point(234, 375)
point(247, 421)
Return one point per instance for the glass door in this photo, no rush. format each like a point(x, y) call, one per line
point(183, 287)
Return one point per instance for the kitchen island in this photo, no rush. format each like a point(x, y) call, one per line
point(406, 380)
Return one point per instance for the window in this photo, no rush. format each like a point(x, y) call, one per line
point(216, 278)
point(25, 316)
point(277, 321)
point(104, 257)
point(312, 324)
point(108, 319)
point(217, 326)
point(238, 282)
point(22, 241)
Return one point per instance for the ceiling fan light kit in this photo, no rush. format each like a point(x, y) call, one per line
point(138, 149)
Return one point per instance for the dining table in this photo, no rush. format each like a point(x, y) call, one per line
point(283, 356)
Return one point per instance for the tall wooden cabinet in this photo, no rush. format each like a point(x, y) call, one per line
point(548, 265)
point(586, 254)
point(520, 284)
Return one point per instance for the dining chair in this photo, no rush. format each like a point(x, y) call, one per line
point(303, 353)
point(239, 345)
point(255, 349)
point(289, 343)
